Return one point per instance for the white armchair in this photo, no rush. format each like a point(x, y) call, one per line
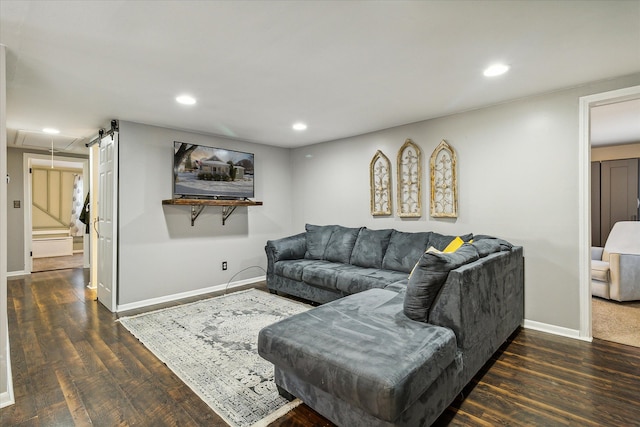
point(615, 269)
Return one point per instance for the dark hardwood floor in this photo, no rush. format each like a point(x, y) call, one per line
point(73, 364)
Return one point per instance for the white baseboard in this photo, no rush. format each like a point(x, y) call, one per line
point(175, 297)
point(17, 273)
point(556, 330)
point(6, 399)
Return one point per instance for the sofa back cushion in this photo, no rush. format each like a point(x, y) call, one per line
point(404, 250)
point(341, 244)
point(428, 276)
point(317, 239)
point(370, 248)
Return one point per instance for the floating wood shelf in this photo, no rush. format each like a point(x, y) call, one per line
point(198, 205)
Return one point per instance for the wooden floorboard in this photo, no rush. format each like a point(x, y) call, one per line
point(73, 364)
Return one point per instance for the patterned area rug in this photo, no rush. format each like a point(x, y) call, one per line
point(212, 346)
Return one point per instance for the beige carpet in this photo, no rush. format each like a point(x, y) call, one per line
point(616, 321)
point(58, 263)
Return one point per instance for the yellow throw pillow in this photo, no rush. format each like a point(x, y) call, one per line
point(454, 245)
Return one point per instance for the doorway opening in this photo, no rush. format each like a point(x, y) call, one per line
point(53, 239)
point(585, 217)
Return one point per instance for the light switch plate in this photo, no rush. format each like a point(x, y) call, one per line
point(16, 203)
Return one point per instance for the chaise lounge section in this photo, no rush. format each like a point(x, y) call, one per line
point(398, 353)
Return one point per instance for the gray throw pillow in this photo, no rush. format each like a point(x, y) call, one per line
point(317, 238)
point(340, 244)
point(370, 248)
point(486, 246)
point(404, 250)
point(504, 245)
point(428, 276)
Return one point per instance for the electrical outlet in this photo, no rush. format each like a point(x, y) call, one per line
point(224, 265)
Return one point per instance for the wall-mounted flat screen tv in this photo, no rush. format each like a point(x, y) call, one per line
point(207, 172)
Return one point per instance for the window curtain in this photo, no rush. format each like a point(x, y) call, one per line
point(76, 227)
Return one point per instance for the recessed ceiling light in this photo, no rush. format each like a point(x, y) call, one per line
point(299, 126)
point(496, 70)
point(186, 100)
point(51, 131)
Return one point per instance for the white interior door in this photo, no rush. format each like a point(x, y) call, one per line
point(107, 221)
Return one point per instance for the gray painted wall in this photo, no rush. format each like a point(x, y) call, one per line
point(15, 216)
point(160, 253)
point(517, 176)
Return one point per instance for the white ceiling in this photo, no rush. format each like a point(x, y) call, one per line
point(345, 68)
point(617, 123)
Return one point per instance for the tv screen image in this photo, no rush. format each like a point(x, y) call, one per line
point(201, 171)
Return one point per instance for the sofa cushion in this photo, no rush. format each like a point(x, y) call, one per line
point(399, 286)
point(358, 279)
point(600, 270)
point(404, 250)
point(370, 248)
point(323, 274)
point(341, 244)
point(317, 238)
point(292, 269)
point(362, 349)
point(429, 275)
point(441, 241)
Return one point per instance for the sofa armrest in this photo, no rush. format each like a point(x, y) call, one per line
point(483, 303)
point(624, 270)
point(596, 253)
point(292, 247)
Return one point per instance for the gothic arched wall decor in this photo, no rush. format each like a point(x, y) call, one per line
point(444, 183)
point(409, 178)
point(380, 179)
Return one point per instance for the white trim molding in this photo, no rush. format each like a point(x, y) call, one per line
point(17, 273)
point(555, 330)
point(6, 387)
point(175, 297)
point(7, 398)
point(584, 196)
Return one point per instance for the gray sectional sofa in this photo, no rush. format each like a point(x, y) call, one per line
point(404, 327)
point(329, 262)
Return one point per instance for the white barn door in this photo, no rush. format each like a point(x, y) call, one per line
point(107, 226)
